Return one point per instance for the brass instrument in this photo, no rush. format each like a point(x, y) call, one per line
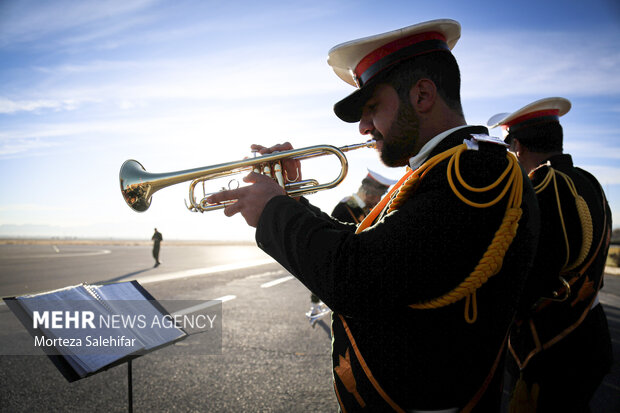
point(138, 186)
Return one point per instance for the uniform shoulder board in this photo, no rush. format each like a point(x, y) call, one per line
point(488, 139)
point(475, 139)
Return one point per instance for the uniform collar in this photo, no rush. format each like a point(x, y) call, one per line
point(359, 201)
point(416, 161)
point(561, 160)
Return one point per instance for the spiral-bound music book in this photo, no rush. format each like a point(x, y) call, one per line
point(85, 329)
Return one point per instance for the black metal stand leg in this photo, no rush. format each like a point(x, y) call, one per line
point(129, 388)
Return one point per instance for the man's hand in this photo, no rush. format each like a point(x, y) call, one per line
point(291, 168)
point(251, 200)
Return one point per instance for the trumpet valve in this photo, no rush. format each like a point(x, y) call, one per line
point(277, 168)
point(205, 206)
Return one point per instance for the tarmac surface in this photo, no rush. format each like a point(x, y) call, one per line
point(270, 359)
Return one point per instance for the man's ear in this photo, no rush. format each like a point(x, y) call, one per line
point(423, 95)
point(518, 148)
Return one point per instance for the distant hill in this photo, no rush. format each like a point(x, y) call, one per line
point(26, 231)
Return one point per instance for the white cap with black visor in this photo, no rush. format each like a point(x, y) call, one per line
point(363, 62)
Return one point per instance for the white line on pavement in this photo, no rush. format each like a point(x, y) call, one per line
point(201, 271)
point(59, 254)
point(609, 299)
point(204, 305)
point(276, 282)
point(264, 274)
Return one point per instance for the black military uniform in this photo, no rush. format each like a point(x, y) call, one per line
point(349, 210)
point(561, 339)
point(354, 208)
point(404, 337)
point(385, 352)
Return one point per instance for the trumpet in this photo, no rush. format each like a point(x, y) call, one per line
point(138, 185)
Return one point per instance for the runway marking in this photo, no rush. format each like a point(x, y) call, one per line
point(59, 254)
point(612, 270)
point(201, 271)
point(264, 274)
point(204, 305)
point(609, 299)
point(276, 282)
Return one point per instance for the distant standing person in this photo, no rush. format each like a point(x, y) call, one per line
point(157, 239)
point(355, 207)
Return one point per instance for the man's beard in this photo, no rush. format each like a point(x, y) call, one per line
point(402, 137)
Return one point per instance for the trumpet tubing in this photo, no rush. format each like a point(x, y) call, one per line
point(138, 185)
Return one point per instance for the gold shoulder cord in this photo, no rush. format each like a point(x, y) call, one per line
point(584, 217)
point(491, 261)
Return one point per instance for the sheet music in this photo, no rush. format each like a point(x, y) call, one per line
point(112, 305)
point(124, 298)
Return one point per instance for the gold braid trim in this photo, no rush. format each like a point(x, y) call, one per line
point(492, 260)
point(586, 224)
point(583, 211)
point(586, 230)
point(489, 265)
point(411, 184)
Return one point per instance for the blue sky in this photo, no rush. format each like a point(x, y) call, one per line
point(85, 85)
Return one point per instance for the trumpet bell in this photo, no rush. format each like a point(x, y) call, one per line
point(136, 193)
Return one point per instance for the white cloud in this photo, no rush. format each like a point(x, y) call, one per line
point(191, 80)
point(29, 20)
point(591, 148)
point(540, 63)
point(606, 175)
point(13, 106)
point(18, 146)
point(99, 25)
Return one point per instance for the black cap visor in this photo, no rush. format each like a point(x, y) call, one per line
point(349, 109)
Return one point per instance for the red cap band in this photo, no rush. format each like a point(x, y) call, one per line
point(392, 47)
point(539, 114)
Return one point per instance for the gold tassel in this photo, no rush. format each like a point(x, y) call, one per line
point(524, 400)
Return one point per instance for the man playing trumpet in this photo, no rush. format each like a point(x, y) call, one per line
point(424, 291)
